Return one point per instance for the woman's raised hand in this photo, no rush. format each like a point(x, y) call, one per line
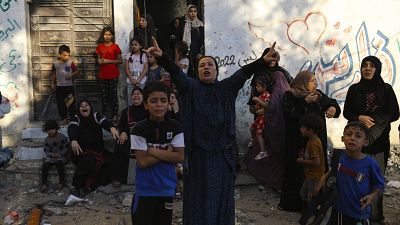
point(154, 50)
point(272, 55)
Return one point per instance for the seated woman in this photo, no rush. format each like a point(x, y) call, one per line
point(89, 155)
point(127, 120)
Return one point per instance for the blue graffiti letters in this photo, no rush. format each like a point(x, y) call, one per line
point(5, 5)
point(11, 27)
point(10, 63)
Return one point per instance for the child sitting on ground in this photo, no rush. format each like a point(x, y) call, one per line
point(56, 149)
point(313, 157)
point(259, 123)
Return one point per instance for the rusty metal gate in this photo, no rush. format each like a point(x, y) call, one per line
point(76, 23)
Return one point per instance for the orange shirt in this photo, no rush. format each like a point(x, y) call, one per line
point(314, 149)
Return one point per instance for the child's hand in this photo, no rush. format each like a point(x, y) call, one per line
point(367, 200)
point(101, 61)
point(257, 99)
point(53, 88)
point(170, 148)
point(69, 76)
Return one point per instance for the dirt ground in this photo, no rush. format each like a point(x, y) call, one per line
point(254, 206)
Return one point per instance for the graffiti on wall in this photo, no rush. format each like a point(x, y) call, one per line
point(311, 28)
point(11, 91)
point(11, 62)
point(10, 58)
point(5, 5)
point(11, 26)
point(335, 75)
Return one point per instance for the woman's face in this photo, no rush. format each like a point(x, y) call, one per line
point(137, 98)
point(172, 99)
point(312, 84)
point(84, 109)
point(207, 70)
point(368, 70)
point(142, 22)
point(192, 13)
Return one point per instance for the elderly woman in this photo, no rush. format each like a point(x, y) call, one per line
point(127, 120)
point(373, 102)
point(302, 98)
point(209, 125)
point(89, 155)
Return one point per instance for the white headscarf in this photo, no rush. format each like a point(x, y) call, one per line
point(189, 24)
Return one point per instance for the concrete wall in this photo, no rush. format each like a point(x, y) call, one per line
point(330, 37)
point(14, 82)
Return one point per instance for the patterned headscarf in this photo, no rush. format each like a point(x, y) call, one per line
point(189, 24)
point(299, 84)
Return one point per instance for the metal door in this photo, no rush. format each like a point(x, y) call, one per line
point(76, 23)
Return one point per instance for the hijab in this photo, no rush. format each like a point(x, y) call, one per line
point(376, 82)
point(136, 113)
point(298, 86)
point(189, 24)
point(79, 112)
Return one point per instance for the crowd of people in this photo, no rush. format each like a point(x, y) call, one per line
point(179, 115)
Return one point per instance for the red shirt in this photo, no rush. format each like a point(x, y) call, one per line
point(108, 71)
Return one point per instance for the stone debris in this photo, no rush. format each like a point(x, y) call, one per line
point(392, 183)
point(255, 205)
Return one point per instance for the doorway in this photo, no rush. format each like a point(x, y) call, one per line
point(73, 23)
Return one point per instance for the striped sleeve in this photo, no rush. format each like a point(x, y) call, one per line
point(178, 141)
point(138, 143)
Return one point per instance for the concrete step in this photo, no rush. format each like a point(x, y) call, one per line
point(38, 133)
point(31, 146)
point(27, 173)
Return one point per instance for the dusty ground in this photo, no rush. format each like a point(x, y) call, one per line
point(254, 206)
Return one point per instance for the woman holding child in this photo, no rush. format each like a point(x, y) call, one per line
point(373, 103)
point(269, 170)
point(302, 98)
point(208, 115)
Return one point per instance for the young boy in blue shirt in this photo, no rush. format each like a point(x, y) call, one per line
point(158, 143)
point(359, 179)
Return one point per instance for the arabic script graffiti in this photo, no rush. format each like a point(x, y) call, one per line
point(10, 28)
point(10, 63)
point(336, 75)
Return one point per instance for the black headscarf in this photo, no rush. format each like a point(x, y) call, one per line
point(376, 82)
point(136, 113)
point(86, 121)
